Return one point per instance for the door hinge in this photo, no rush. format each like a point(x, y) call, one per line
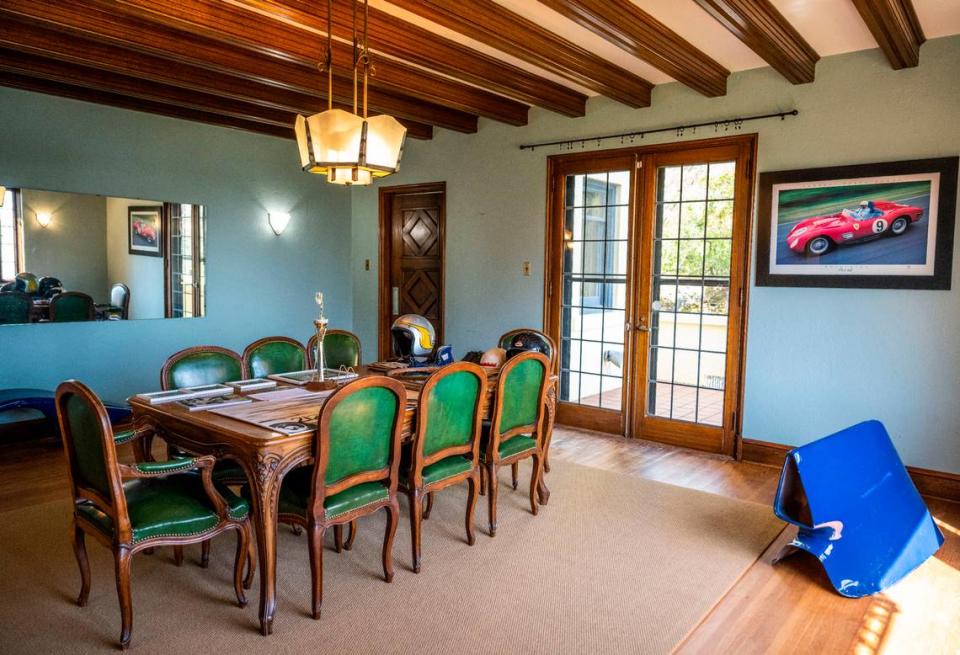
point(733, 420)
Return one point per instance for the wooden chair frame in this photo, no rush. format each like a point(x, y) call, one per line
point(555, 370)
point(312, 346)
point(115, 507)
point(416, 490)
point(316, 521)
point(125, 307)
point(248, 351)
point(91, 309)
point(147, 446)
point(535, 430)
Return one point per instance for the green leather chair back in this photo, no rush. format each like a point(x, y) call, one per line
point(14, 307)
point(201, 365)
point(340, 348)
point(71, 306)
point(88, 442)
point(521, 392)
point(451, 411)
point(360, 436)
point(274, 355)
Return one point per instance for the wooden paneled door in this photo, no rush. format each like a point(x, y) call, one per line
point(412, 220)
point(647, 264)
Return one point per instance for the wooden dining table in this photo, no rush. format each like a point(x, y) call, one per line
point(267, 456)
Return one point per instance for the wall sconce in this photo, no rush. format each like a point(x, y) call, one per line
point(568, 239)
point(3, 194)
point(278, 222)
point(43, 219)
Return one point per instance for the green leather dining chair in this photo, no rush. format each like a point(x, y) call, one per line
point(445, 447)
point(340, 348)
point(137, 507)
point(200, 365)
point(504, 342)
point(272, 355)
point(71, 306)
point(15, 307)
point(515, 431)
point(193, 367)
point(356, 470)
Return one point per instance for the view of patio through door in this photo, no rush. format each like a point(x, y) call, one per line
point(646, 267)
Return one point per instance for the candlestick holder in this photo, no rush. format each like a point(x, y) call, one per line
point(319, 381)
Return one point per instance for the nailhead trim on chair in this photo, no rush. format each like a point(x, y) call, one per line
point(180, 534)
point(333, 516)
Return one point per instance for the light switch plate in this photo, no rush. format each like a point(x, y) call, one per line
point(526, 269)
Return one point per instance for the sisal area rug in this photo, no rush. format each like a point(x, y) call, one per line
point(613, 564)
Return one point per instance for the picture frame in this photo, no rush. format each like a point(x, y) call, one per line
point(885, 225)
point(145, 230)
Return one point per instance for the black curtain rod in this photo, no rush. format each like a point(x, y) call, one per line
point(679, 129)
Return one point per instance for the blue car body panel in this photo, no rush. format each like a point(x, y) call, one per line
point(867, 523)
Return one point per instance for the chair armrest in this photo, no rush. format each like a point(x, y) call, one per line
point(203, 464)
point(160, 469)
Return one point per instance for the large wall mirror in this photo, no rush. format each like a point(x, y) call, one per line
point(83, 257)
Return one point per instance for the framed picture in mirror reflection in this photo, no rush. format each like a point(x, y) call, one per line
point(145, 230)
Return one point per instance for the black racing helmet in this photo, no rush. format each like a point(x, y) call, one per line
point(523, 342)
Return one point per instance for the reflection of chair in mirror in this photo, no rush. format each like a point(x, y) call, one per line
point(272, 355)
point(340, 348)
point(71, 306)
point(14, 307)
point(120, 299)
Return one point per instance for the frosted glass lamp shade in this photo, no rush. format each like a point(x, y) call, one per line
point(384, 144)
point(348, 149)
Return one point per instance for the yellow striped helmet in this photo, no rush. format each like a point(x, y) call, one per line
point(413, 337)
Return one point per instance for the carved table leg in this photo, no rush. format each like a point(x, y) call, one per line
point(266, 485)
point(543, 492)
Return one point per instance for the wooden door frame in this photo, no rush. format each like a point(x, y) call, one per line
point(553, 266)
point(386, 196)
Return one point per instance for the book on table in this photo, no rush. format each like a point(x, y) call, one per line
point(175, 395)
point(201, 404)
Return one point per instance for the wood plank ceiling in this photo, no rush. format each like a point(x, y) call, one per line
point(253, 64)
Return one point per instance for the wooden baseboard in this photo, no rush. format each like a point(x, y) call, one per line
point(936, 484)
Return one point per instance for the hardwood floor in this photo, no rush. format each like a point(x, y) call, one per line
point(787, 608)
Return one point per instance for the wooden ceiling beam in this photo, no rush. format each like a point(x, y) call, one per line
point(198, 63)
point(896, 28)
point(38, 85)
point(28, 38)
point(393, 37)
point(763, 29)
point(631, 29)
point(232, 26)
point(498, 27)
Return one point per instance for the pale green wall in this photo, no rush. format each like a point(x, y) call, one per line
point(258, 284)
point(73, 247)
point(817, 359)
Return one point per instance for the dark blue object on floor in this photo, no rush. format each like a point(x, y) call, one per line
point(42, 401)
point(857, 509)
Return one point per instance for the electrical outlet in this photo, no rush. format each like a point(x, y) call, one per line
point(526, 269)
point(366, 265)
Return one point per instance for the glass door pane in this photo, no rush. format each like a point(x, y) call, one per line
point(691, 285)
point(594, 296)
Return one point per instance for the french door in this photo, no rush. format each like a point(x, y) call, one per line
point(646, 269)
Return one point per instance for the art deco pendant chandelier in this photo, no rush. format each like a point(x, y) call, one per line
point(347, 147)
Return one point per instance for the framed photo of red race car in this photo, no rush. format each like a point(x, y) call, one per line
point(876, 226)
point(145, 227)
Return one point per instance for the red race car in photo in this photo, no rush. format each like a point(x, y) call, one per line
point(872, 219)
point(144, 231)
